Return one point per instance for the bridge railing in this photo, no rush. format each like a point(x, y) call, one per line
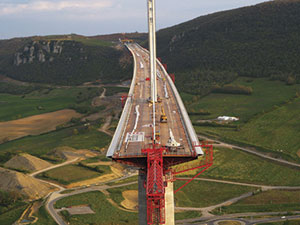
point(120, 130)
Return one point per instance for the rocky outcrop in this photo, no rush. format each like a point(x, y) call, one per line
point(41, 52)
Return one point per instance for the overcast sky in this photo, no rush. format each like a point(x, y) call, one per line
point(19, 18)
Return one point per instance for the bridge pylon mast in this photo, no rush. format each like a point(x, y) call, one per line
point(152, 47)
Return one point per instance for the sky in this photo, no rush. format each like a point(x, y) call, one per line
point(21, 18)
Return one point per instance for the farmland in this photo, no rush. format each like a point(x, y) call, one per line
point(35, 125)
point(239, 166)
point(70, 174)
point(274, 200)
point(83, 138)
point(193, 194)
point(269, 117)
point(102, 208)
point(266, 94)
point(45, 100)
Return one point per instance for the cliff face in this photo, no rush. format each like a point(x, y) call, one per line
point(64, 60)
point(41, 51)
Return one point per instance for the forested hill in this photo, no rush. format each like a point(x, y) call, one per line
point(257, 41)
point(64, 60)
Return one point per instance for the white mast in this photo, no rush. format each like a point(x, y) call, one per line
point(152, 50)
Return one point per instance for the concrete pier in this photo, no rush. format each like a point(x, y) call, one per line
point(169, 204)
point(142, 199)
point(169, 201)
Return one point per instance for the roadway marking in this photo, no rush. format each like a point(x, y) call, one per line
point(141, 91)
point(135, 125)
point(135, 137)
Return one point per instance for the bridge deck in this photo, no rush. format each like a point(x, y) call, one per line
point(134, 139)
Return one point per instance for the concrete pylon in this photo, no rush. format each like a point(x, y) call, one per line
point(169, 204)
point(142, 198)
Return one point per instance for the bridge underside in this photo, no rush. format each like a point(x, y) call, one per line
point(141, 161)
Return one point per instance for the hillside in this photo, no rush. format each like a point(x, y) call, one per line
point(256, 41)
point(28, 186)
point(115, 37)
point(27, 162)
point(64, 60)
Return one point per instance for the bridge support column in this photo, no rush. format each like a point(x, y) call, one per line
point(169, 204)
point(142, 198)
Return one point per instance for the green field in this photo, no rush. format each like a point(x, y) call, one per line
point(239, 166)
point(193, 194)
point(43, 217)
point(127, 180)
point(92, 41)
point(288, 222)
point(105, 213)
point(12, 216)
point(45, 100)
point(269, 118)
point(100, 158)
point(112, 90)
point(278, 130)
point(116, 193)
point(269, 201)
point(42, 144)
point(70, 174)
point(266, 94)
point(203, 193)
point(187, 214)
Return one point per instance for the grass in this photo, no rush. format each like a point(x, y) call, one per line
point(105, 213)
point(42, 101)
point(269, 201)
point(127, 180)
point(69, 174)
point(269, 118)
point(203, 193)
point(43, 217)
point(12, 216)
point(266, 94)
point(67, 191)
point(87, 138)
point(116, 193)
point(278, 130)
point(96, 159)
point(239, 166)
point(112, 90)
point(193, 194)
point(288, 222)
point(92, 41)
point(187, 215)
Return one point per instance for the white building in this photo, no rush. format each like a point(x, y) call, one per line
point(227, 118)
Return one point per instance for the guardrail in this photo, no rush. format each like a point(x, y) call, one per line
point(119, 133)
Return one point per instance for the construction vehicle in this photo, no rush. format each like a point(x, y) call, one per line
point(163, 117)
point(159, 99)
